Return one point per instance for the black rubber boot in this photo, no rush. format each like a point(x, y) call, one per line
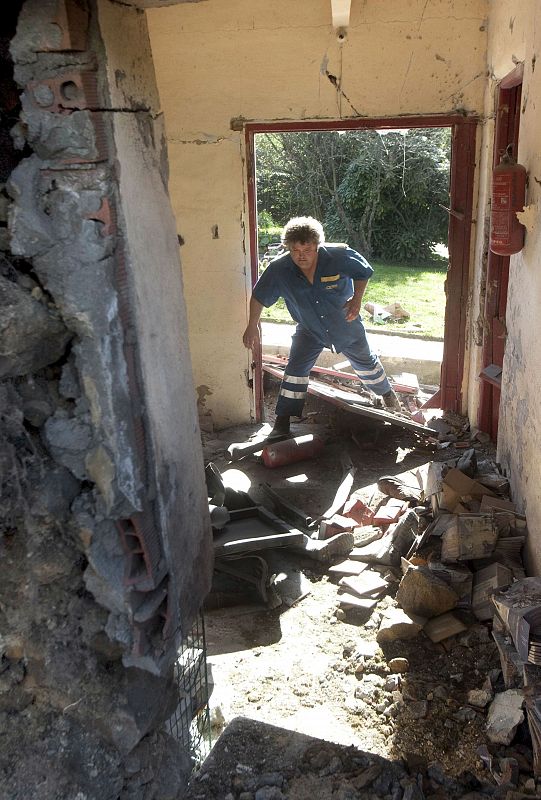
point(391, 401)
point(281, 427)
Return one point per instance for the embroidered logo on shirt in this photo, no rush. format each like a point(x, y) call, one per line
point(329, 278)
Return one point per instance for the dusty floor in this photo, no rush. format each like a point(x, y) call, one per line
point(300, 668)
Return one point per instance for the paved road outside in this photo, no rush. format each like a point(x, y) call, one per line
point(397, 353)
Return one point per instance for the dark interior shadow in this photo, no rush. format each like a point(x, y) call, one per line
point(250, 755)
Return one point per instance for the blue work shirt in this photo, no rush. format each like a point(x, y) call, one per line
point(319, 306)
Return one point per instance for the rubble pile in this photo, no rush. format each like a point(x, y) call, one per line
point(453, 562)
point(416, 560)
point(343, 388)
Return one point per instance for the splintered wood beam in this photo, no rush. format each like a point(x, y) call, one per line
point(340, 13)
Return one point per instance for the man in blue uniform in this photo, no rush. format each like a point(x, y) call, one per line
point(323, 287)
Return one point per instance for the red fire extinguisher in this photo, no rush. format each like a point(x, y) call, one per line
point(292, 450)
point(508, 197)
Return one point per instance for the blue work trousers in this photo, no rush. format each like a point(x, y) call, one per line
point(304, 353)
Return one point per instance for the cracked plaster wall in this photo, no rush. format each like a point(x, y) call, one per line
point(282, 61)
point(99, 443)
point(158, 299)
point(515, 37)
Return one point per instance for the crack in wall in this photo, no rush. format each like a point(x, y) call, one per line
point(210, 140)
point(337, 85)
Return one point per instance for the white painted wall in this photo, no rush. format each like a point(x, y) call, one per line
point(515, 36)
point(268, 61)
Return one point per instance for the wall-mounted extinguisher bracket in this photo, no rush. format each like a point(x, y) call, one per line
point(508, 197)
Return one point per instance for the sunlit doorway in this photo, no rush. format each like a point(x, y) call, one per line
point(397, 190)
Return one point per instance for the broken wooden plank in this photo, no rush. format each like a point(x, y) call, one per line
point(360, 406)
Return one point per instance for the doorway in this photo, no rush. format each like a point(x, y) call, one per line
point(506, 133)
point(449, 395)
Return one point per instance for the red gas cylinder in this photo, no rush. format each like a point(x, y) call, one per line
point(508, 197)
point(292, 450)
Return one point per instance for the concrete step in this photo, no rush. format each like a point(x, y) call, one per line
point(397, 353)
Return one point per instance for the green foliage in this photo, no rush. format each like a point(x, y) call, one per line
point(268, 236)
point(420, 290)
point(382, 192)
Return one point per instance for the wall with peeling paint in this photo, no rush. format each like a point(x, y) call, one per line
point(515, 37)
point(273, 61)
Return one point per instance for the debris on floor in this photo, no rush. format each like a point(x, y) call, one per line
point(344, 389)
point(425, 563)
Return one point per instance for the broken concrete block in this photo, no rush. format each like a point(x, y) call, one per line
point(371, 552)
point(399, 665)
point(354, 601)
point(31, 334)
point(366, 534)
point(423, 593)
point(325, 549)
point(347, 567)
point(467, 463)
point(392, 545)
point(458, 576)
point(479, 697)
point(519, 607)
point(442, 627)
point(68, 439)
point(367, 584)
point(485, 582)
point(396, 624)
point(504, 716)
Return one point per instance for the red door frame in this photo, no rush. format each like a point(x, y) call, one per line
point(464, 130)
point(506, 132)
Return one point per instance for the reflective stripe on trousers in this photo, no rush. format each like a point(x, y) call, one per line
point(304, 352)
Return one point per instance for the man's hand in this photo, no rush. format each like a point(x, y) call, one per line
point(352, 308)
point(353, 305)
point(250, 336)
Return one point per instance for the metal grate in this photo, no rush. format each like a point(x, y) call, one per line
point(190, 722)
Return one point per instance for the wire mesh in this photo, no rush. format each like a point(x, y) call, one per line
point(190, 722)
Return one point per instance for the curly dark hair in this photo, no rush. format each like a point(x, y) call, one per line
point(304, 230)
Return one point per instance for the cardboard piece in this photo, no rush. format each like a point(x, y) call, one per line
point(457, 487)
point(499, 503)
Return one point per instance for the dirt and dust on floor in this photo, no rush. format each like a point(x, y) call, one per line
point(371, 662)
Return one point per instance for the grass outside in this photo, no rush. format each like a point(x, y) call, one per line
point(420, 290)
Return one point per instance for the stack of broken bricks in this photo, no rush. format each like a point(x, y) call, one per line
point(456, 558)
